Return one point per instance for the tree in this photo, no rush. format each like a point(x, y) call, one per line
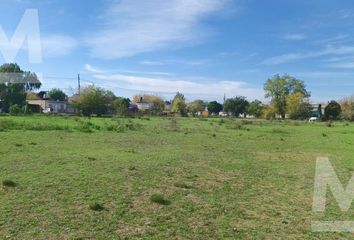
point(255, 108)
point(333, 110)
point(93, 100)
point(196, 106)
point(347, 105)
point(14, 83)
point(236, 105)
point(279, 88)
point(179, 104)
point(215, 107)
point(57, 95)
point(297, 106)
point(268, 112)
point(121, 106)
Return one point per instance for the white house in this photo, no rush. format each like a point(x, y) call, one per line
point(143, 105)
point(43, 104)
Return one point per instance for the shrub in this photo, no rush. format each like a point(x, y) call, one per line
point(15, 109)
point(158, 198)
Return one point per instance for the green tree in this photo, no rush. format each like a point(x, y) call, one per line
point(57, 95)
point(333, 110)
point(279, 88)
point(196, 106)
point(121, 106)
point(215, 107)
point(14, 83)
point(179, 104)
point(93, 100)
point(298, 107)
point(268, 112)
point(347, 105)
point(236, 105)
point(255, 108)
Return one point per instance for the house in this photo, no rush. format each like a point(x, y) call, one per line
point(144, 105)
point(41, 103)
point(318, 109)
point(168, 106)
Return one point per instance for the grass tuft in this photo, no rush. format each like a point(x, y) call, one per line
point(9, 183)
point(96, 207)
point(182, 185)
point(158, 198)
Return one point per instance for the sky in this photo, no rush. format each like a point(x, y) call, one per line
point(203, 48)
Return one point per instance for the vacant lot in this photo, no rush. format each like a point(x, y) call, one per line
point(166, 178)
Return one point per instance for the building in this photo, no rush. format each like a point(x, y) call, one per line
point(318, 109)
point(144, 105)
point(41, 103)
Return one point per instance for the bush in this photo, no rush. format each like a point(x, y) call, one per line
point(15, 109)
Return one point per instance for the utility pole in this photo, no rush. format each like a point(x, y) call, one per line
point(79, 83)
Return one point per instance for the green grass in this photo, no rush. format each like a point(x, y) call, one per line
point(80, 178)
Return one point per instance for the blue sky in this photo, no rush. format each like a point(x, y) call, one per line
point(203, 48)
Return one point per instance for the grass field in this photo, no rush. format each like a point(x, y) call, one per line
point(166, 178)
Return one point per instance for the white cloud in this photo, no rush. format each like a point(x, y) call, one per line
point(344, 65)
point(174, 62)
point(294, 37)
point(328, 51)
point(203, 88)
point(92, 69)
point(58, 45)
point(132, 27)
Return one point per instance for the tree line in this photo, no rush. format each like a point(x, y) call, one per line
point(288, 97)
